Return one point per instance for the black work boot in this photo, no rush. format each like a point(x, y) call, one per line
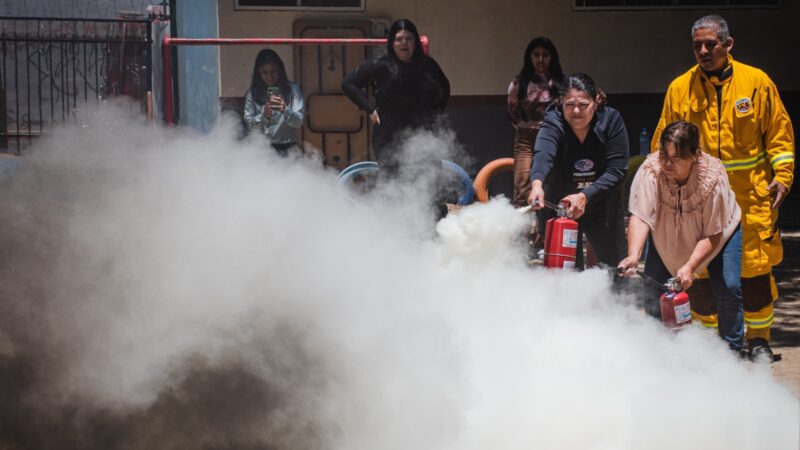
point(760, 351)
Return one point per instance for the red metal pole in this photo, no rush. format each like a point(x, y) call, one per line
point(281, 41)
point(426, 45)
point(276, 41)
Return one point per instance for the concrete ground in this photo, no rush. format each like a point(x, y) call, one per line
point(786, 331)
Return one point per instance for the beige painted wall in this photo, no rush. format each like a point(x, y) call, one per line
point(479, 43)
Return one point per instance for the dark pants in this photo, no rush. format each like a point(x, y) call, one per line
point(387, 136)
point(283, 149)
point(602, 236)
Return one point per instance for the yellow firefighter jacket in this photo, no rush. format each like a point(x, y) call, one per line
point(750, 131)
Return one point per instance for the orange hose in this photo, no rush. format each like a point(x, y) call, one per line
point(481, 184)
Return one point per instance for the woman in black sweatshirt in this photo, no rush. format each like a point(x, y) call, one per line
point(410, 90)
point(581, 157)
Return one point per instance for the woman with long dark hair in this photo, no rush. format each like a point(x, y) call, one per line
point(410, 89)
point(273, 104)
point(529, 95)
point(581, 158)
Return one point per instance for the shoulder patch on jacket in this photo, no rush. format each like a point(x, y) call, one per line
point(743, 105)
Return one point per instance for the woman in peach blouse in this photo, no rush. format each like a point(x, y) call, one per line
point(681, 199)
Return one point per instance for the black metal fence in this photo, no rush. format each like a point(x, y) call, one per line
point(57, 71)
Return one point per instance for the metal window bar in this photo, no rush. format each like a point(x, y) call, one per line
point(69, 66)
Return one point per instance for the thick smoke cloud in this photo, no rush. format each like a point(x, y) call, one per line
point(163, 289)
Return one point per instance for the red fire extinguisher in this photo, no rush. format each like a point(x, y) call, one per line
point(676, 312)
point(560, 240)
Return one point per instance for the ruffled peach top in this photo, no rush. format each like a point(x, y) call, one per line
point(680, 216)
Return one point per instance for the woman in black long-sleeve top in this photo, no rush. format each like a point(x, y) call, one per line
point(410, 90)
point(581, 157)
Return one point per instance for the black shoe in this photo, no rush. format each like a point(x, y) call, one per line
point(760, 351)
point(740, 353)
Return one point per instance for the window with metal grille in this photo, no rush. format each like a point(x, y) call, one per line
point(327, 5)
point(673, 4)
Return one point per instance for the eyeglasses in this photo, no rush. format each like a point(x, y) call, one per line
point(582, 106)
point(400, 40)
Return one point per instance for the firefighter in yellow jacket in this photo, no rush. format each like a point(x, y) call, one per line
point(742, 122)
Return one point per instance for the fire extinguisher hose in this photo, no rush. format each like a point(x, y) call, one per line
point(666, 286)
point(617, 272)
point(551, 205)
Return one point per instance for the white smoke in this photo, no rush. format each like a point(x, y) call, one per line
point(483, 234)
point(139, 254)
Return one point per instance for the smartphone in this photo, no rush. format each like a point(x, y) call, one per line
point(274, 90)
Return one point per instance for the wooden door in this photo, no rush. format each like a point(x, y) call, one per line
point(333, 124)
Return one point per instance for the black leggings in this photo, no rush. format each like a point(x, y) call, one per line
point(603, 238)
point(283, 149)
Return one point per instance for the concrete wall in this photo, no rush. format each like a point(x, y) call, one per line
point(479, 43)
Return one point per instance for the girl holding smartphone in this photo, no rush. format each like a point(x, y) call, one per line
point(273, 104)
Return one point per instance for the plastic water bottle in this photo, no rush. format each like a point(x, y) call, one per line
point(644, 142)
